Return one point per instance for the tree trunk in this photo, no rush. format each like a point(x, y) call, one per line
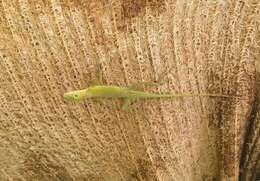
point(49, 47)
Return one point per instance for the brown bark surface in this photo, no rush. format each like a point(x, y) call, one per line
point(49, 47)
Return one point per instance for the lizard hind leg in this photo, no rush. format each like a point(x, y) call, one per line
point(158, 81)
point(127, 103)
point(99, 80)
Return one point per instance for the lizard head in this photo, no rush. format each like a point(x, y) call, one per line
point(77, 95)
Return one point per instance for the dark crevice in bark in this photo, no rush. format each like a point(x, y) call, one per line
point(246, 148)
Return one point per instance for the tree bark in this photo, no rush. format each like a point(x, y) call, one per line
point(49, 47)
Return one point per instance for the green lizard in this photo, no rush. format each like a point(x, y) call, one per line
point(103, 91)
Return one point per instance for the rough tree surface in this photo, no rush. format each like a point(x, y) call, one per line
point(49, 47)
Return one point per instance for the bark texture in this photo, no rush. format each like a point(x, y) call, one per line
point(48, 47)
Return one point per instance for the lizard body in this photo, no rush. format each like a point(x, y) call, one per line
point(102, 91)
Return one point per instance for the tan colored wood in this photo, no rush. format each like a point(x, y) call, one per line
point(49, 47)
